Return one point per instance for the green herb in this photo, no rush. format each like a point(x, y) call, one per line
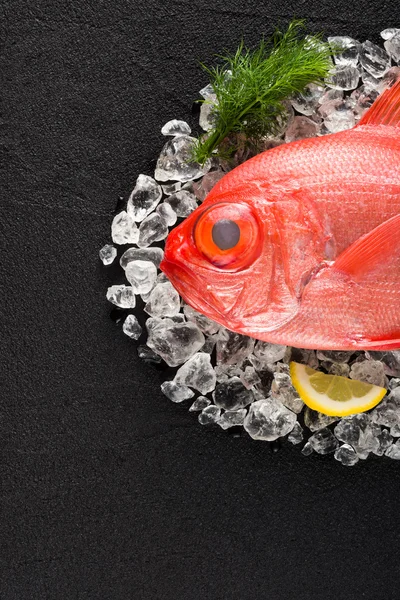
point(251, 85)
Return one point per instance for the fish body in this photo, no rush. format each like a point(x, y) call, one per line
point(300, 245)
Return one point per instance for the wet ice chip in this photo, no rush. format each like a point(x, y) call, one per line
point(107, 254)
point(197, 373)
point(315, 420)
point(144, 198)
point(232, 395)
point(142, 275)
point(176, 127)
point(208, 93)
point(225, 372)
point(232, 418)
point(343, 78)
point(152, 229)
point(392, 46)
point(250, 377)
point(209, 415)
point(122, 296)
point(174, 342)
point(200, 403)
point(204, 186)
point(369, 371)
point(360, 432)
point(174, 162)
point(205, 324)
point(296, 435)
point(124, 229)
point(164, 301)
point(283, 390)
point(183, 203)
point(167, 213)
point(350, 50)
point(387, 413)
point(154, 255)
point(269, 353)
point(305, 102)
point(374, 59)
point(346, 455)
point(307, 449)
point(148, 356)
point(233, 348)
point(207, 117)
point(385, 441)
point(338, 356)
point(175, 392)
point(393, 451)
point(268, 420)
point(339, 120)
point(323, 441)
point(131, 327)
point(305, 357)
point(388, 33)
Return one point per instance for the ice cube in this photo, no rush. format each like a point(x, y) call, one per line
point(203, 186)
point(346, 455)
point(131, 327)
point(182, 203)
point(374, 59)
point(305, 102)
point(124, 229)
point(360, 432)
point(122, 296)
point(369, 371)
point(296, 435)
point(174, 342)
point(107, 254)
point(144, 198)
point(152, 229)
point(338, 356)
point(307, 449)
point(154, 255)
point(268, 420)
point(175, 392)
point(207, 116)
point(340, 120)
point(233, 348)
point(167, 213)
point(283, 390)
point(148, 356)
point(205, 324)
point(208, 92)
point(392, 46)
point(385, 441)
point(394, 451)
point(388, 33)
point(300, 128)
point(250, 378)
point(323, 441)
point(197, 373)
point(171, 188)
point(232, 418)
point(232, 395)
point(343, 78)
point(305, 357)
point(387, 413)
point(176, 127)
point(174, 162)
point(350, 53)
point(315, 420)
point(200, 403)
point(225, 372)
point(209, 415)
point(142, 275)
point(164, 301)
point(269, 353)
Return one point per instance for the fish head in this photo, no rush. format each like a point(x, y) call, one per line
point(221, 258)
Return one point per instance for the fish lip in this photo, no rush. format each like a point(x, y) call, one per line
point(170, 268)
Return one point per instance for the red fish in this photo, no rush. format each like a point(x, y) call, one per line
point(300, 245)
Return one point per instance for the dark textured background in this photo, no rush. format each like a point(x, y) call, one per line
point(108, 490)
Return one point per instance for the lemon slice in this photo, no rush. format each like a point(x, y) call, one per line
point(334, 395)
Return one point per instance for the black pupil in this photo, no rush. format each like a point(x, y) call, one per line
point(225, 234)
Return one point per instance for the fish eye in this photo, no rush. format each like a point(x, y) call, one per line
point(228, 235)
point(225, 234)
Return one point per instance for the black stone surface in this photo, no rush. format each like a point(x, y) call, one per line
point(108, 490)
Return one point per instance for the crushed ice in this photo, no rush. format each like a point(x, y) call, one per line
point(241, 383)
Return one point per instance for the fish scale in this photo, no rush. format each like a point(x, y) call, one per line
point(319, 258)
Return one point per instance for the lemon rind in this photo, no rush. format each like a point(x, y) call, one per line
point(326, 405)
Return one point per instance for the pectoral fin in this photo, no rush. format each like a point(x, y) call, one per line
point(385, 110)
point(371, 250)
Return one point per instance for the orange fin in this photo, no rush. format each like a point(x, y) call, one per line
point(385, 110)
point(370, 250)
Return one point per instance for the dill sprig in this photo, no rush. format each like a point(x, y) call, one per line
point(251, 85)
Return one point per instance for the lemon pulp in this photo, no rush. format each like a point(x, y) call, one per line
point(332, 394)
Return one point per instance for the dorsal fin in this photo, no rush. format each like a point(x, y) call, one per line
point(385, 110)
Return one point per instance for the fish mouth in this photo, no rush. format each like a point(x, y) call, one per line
point(192, 288)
